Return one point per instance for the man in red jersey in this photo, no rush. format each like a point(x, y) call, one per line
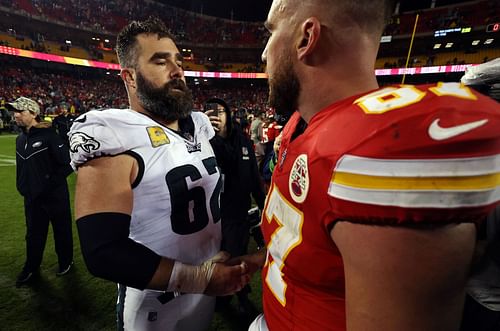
point(370, 219)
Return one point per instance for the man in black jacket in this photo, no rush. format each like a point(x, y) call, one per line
point(62, 123)
point(43, 163)
point(241, 180)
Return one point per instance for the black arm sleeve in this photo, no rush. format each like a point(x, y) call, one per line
point(110, 254)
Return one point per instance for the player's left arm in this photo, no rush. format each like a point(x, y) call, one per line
point(401, 278)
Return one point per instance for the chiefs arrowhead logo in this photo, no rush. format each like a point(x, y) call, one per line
point(298, 183)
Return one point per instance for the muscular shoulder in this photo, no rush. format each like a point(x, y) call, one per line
point(106, 132)
point(413, 148)
point(445, 120)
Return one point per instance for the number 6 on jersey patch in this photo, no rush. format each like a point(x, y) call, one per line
point(298, 183)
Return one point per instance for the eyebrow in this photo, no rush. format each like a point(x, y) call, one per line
point(166, 55)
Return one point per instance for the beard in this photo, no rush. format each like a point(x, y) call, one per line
point(164, 102)
point(284, 88)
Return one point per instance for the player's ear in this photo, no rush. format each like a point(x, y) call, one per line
point(309, 35)
point(128, 76)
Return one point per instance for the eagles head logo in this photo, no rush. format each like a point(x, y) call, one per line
point(83, 141)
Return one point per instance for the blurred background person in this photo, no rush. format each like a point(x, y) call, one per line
point(241, 182)
point(62, 123)
point(256, 136)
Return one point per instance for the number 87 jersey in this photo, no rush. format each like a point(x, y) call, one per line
point(397, 156)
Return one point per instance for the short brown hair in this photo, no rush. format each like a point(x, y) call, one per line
point(126, 42)
point(370, 15)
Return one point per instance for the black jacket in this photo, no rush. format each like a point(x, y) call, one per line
point(236, 158)
point(62, 124)
point(42, 161)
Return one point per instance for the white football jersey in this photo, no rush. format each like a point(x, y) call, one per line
point(176, 193)
point(176, 204)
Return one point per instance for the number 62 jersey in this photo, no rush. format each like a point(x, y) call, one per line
point(396, 156)
point(176, 193)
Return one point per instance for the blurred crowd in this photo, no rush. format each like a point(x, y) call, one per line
point(111, 16)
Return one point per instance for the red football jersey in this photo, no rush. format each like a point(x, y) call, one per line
point(270, 131)
point(398, 155)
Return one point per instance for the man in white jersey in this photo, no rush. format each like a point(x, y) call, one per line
point(147, 195)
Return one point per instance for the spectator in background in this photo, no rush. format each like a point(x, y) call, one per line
point(270, 130)
point(62, 123)
point(271, 161)
point(256, 136)
point(42, 164)
point(241, 182)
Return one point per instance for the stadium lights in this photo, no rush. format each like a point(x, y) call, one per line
point(107, 72)
point(488, 41)
point(386, 39)
point(218, 75)
point(448, 45)
point(476, 42)
point(106, 40)
point(437, 46)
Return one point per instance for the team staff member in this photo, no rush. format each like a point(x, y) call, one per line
point(62, 123)
point(147, 193)
point(370, 219)
point(42, 163)
point(241, 181)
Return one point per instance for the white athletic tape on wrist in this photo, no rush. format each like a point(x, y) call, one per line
point(189, 278)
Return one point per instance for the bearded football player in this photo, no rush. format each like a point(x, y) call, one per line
point(147, 194)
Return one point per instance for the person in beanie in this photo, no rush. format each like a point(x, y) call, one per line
point(42, 162)
point(241, 182)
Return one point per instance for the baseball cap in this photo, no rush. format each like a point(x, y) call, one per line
point(22, 104)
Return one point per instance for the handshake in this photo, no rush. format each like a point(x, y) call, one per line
point(218, 276)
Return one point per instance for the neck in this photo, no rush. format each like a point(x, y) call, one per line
point(340, 76)
point(313, 100)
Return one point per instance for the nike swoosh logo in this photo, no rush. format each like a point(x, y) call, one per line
point(81, 119)
point(60, 146)
point(437, 132)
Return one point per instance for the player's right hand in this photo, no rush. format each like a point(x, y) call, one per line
point(227, 279)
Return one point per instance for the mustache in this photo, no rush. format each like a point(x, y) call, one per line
point(178, 84)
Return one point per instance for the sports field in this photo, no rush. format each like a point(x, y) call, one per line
point(77, 301)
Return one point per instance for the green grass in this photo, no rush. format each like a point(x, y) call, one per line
point(77, 301)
